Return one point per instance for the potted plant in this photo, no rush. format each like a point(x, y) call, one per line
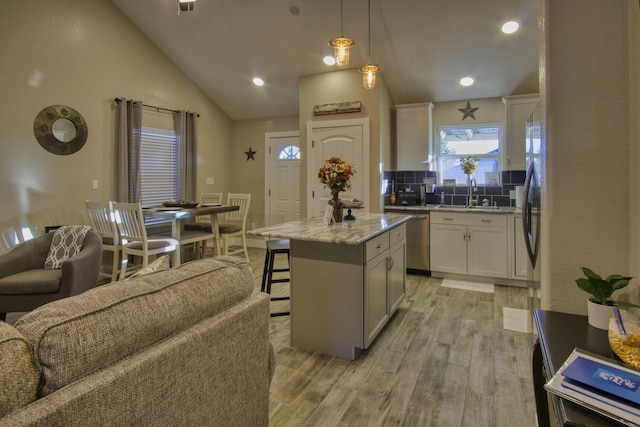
point(600, 305)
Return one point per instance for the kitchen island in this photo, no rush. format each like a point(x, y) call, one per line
point(347, 280)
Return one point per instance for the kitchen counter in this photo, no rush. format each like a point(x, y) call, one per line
point(365, 227)
point(450, 208)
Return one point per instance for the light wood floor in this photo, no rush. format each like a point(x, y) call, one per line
point(444, 359)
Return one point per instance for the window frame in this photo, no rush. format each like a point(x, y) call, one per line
point(497, 156)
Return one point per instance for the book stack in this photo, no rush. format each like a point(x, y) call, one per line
point(599, 384)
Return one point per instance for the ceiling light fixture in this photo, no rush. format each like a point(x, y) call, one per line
point(185, 5)
point(510, 27)
point(329, 60)
point(341, 46)
point(369, 71)
point(258, 81)
point(467, 81)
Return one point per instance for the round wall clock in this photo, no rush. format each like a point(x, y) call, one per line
point(60, 130)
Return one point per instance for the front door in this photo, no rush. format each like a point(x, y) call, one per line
point(347, 139)
point(282, 183)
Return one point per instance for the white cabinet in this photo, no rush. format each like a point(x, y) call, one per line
point(519, 261)
point(342, 295)
point(413, 135)
point(397, 267)
point(517, 110)
point(384, 279)
point(469, 243)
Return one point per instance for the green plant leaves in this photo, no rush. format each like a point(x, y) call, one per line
point(602, 289)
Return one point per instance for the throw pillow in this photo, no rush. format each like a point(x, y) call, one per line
point(162, 263)
point(67, 242)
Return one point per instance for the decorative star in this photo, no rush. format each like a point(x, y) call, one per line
point(250, 154)
point(468, 112)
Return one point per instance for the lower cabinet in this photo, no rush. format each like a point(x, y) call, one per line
point(384, 281)
point(343, 295)
point(519, 261)
point(469, 243)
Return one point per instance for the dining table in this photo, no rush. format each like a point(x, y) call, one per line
point(179, 215)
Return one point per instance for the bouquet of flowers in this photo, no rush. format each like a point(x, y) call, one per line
point(336, 175)
point(469, 165)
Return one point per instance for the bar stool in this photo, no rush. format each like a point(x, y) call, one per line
point(275, 247)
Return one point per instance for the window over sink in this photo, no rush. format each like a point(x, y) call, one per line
point(482, 141)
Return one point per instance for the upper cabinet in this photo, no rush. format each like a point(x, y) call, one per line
point(413, 136)
point(517, 110)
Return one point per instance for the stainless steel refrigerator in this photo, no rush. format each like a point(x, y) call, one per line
point(531, 206)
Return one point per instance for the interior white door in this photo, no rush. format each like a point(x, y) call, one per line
point(349, 141)
point(283, 177)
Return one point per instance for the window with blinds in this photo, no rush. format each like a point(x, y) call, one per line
point(158, 166)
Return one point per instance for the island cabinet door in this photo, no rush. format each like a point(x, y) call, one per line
point(397, 268)
point(375, 297)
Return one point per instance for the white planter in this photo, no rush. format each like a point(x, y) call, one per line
point(599, 314)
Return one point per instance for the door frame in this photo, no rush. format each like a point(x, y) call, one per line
point(366, 144)
point(268, 136)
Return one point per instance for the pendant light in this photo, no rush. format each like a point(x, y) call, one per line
point(369, 71)
point(341, 46)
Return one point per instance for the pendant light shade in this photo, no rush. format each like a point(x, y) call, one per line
point(369, 71)
point(341, 46)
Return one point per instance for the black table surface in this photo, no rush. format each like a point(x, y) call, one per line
point(559, 335)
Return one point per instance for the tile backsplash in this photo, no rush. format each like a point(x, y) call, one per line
point(454, 195)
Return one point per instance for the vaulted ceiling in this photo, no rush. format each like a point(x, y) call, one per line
point(423, 47)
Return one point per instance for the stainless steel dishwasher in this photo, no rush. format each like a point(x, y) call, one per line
point(417, 240)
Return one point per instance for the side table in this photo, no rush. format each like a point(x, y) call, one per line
point(558, 335)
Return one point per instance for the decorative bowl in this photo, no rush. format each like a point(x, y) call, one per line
point(352, 204)
point(179, 204)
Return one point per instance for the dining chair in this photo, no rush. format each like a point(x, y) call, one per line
point(133, 235)
point(103, 222)
point(234, 224)
point(203, 222)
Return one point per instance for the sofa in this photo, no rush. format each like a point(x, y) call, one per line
point(187, 346)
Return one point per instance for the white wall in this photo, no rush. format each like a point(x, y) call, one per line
point(83, 54)
point(587, 102)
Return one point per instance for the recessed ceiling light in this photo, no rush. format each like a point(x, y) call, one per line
point(329, 60)
point(467, 81)
point(510, 27)
point(258, 81)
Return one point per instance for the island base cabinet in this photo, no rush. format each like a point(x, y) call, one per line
point(376, 311)
point(343, 295)
point(397, 275)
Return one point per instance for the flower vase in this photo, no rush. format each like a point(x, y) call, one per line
point(337, 207)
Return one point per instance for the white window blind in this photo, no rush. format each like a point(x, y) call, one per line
point(158, 166)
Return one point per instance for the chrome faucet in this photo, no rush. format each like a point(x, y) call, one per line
point(473, 187)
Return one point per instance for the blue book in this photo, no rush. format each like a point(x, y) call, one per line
point(606, 378)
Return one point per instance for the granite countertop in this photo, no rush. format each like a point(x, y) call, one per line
point(451, 208)
point(365, 227)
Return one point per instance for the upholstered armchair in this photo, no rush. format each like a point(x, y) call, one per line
point(26, 284)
